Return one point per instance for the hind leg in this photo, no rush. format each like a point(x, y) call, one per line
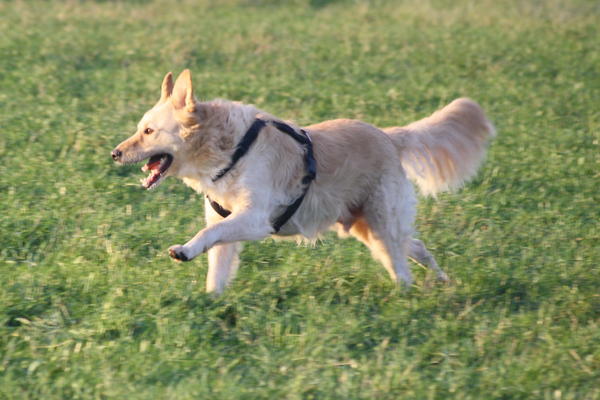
point(419, 253)
point(385, 226)
point(390, 254)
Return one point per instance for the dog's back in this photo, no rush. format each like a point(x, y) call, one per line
point(351, 158)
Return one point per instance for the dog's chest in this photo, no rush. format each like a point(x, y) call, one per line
point(224, 195)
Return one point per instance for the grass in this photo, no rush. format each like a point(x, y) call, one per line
point(91, 307)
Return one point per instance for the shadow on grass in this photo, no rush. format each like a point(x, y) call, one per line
point(20, 311)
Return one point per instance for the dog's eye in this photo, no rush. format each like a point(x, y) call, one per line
point(148, 131)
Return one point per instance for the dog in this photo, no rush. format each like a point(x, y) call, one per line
point(262, 176)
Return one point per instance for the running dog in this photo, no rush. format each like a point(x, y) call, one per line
point(262, 176)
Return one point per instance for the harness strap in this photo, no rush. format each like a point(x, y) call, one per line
point(287, 214)
point(220, 210)
point(243, 147)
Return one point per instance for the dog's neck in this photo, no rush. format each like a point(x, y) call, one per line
point(221, 125)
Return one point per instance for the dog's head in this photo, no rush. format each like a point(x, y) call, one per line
point(165, 134)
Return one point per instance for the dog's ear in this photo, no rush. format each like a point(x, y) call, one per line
point(183, 94)
point(167, 87)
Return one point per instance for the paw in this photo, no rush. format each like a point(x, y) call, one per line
point(442, 277)
point(177, 253)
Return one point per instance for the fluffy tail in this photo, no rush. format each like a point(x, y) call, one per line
point(444, 150)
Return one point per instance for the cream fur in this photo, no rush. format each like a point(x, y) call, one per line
point(444, 150)
point(361, 187)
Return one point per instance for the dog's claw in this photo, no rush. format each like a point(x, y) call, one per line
point(176, 253)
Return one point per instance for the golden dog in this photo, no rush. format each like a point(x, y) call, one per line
point(361, 187)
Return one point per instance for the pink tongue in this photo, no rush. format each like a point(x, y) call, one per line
point(151, 166)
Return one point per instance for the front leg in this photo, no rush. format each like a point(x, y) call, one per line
point(223, 262)
point(223, 259)
point(246, 225)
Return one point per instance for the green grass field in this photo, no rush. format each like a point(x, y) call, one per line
point(92, 307)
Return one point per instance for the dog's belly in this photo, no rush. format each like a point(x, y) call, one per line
point(349, 219)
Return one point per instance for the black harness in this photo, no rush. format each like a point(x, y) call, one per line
point(244, 145)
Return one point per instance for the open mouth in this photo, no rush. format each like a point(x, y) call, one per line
point(157, 165)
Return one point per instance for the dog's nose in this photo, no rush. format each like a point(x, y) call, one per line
point(116, 154)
